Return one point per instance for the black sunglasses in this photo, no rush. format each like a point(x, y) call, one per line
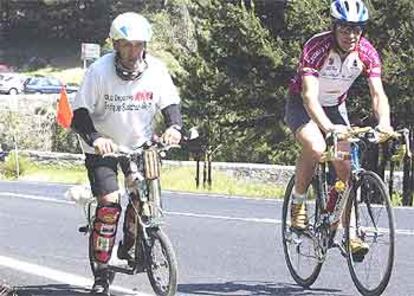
point(349, 29)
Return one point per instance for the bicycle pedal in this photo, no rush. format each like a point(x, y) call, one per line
point(140, 268)
point(131, 263)
point(358, 258)
point(299, 230)
point(340, 246)
point(334, 245)
point(83, 229)
point(134, 266)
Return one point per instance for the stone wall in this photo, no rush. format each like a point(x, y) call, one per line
point(28, 120)
point(54, 158)
point(259, 172)
point(265, 173)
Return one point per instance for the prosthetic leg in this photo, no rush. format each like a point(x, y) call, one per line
point(102, 241)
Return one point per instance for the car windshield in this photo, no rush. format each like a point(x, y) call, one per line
point(36, 81)
point(7, 77)
point(54, 81)
point(43, 81)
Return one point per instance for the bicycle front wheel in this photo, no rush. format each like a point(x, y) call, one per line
point(370, 218)
point(161, 263)
point(302, 253)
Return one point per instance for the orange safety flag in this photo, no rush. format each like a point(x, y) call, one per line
point(64, 111)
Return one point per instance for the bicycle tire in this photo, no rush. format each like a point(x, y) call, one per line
point(304, 281)
point(369, 184)
point(170, 287)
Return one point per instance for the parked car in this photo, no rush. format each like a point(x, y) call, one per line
point(12, 83)
point(5, 68)
point(46, 85)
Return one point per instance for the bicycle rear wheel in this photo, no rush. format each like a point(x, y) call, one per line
point(370, 204)
point(161, 263)
point(301, 251)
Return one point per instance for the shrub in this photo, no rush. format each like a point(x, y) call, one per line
point(9, 168)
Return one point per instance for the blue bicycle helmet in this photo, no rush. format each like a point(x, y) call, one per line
point(353, 12)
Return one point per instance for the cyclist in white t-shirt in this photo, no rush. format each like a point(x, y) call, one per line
point(117, 102)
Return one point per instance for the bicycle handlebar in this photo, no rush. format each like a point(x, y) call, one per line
point(370, 134)
point(187, 138)
point(124, 151)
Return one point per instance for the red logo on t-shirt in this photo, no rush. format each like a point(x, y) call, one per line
point(143, 96)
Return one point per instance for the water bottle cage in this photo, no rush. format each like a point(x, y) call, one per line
point(151, 164)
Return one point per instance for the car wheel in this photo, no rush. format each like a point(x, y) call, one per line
point(13, 92)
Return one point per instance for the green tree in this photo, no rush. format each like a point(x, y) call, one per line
point(392, 31)
point(232, 85)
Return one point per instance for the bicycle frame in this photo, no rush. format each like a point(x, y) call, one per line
point(360, 206)
point(327, 219)
point(145, 169)
point(154, 252)
point(144, 164)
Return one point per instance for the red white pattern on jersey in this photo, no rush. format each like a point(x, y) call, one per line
point(336, 76)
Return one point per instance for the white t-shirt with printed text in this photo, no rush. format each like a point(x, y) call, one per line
point(125, 110)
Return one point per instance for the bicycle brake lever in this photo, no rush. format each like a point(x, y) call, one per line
point(372, 136)
point(406, 135)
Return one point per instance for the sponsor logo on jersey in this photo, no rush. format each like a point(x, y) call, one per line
point(143, 96)
point(142, 100)
point(355, 63)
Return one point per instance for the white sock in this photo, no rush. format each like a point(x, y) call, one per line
point(298, 198)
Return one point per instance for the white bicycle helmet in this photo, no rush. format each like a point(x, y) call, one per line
point(130, 26)
point(349, 11)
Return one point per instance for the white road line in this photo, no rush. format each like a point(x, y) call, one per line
point(40, 183)
point(57, 275)
point(257, 220)
point(195, 215)
point(222, 196)
point(36, 197)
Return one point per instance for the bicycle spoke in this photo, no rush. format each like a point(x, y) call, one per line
point(162, 270)
point(375, 227)
point(301, 247)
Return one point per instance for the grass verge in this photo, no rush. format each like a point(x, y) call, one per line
point(175, 179)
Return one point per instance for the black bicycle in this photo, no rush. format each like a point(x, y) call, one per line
point(153, 251)
point(366, 211)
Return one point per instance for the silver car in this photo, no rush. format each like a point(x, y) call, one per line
point(12, 83)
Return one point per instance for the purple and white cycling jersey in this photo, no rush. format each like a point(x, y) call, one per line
point(335, 75)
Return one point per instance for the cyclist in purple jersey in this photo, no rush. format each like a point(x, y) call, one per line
point(329, 64)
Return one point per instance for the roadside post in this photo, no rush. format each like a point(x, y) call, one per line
point(89, 51)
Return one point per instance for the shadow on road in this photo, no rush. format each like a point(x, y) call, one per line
point(252, 288)
point(56, 290)
point(52, 290)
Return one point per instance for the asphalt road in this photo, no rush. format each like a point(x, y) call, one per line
point(224, 246)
